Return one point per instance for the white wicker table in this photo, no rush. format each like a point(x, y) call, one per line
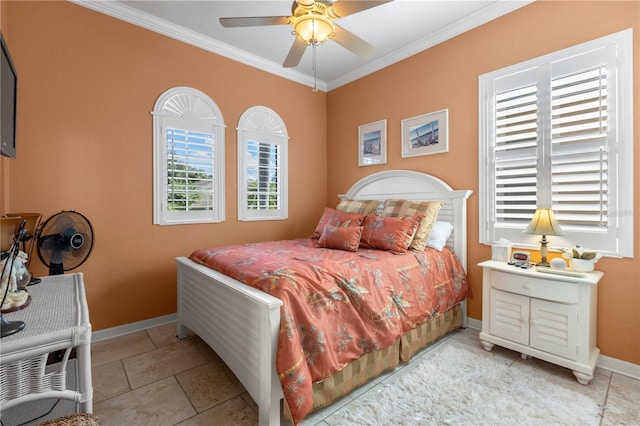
point(57, 319)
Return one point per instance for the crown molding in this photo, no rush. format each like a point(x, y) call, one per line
point(133, 16)
point(487, 14)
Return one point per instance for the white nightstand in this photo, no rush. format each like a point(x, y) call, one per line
point(547, 316)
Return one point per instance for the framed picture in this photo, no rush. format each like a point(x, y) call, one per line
point(372, 143)
point(425, 134)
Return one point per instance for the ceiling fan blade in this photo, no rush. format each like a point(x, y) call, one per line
point(344, 8)
point(254, 21)
point(295, 54)
point(352, 42)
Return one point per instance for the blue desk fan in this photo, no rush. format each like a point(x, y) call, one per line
point(65, 241)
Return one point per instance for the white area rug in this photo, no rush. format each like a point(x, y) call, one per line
point(457, 386)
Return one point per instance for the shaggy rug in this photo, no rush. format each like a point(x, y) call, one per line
point(456, 386)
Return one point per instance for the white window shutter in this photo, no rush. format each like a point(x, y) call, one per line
point(556, 132)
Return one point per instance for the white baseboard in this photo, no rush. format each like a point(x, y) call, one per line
point(110, 333)
point(606, 363)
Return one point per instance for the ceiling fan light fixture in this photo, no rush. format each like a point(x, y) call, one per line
point(314, 29)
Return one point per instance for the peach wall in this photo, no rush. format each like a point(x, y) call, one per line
point(4, 162)
point(87, 85)
point(446, 76)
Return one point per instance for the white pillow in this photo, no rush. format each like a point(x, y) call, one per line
point(439, 235)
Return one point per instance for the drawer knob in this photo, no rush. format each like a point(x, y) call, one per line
point(527, 286)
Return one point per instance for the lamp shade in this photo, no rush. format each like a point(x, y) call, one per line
point(544, 223)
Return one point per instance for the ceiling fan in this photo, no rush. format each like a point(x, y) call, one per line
point(313, 24)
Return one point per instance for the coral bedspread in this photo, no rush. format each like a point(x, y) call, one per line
point(339, 305)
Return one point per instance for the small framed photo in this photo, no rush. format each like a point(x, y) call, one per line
point(372, 143)
point(425, 134)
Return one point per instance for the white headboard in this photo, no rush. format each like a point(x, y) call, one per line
point(416, 186)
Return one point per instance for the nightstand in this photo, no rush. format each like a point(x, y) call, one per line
point(547, 316)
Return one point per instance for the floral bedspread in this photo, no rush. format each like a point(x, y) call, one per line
point(339, 305)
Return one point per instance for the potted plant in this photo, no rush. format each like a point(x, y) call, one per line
point(581, 259)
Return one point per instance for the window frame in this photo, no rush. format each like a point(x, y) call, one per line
point(620, 135)
point(264, 124)
point(188, 109)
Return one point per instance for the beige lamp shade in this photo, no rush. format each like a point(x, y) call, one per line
point(544, 223)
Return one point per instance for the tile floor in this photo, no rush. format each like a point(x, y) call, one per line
point(152, 378)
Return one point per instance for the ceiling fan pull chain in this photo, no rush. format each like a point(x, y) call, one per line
point(315, 78)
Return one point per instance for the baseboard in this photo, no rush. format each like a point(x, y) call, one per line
point(618, 366)
point(110, 333)
point(606, 363)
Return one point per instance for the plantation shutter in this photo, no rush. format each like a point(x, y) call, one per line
point(262, 165)
point(516, 147)
point(190, 170)
point(188, 158)
point(263, 177)
point(579, 170)
point(555, 132)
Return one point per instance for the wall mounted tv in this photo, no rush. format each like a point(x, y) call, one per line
point(8, 82)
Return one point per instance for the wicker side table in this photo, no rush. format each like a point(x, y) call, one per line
point(56, 320)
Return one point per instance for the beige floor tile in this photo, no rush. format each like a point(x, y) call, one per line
point(162, 362)
point(234, 412)
point(109, 380)
point(163, 335)
point(624, 387)
point(120, 347)
point(210, 384)
point(621, 412)
point(159, 404)
point(217, 397)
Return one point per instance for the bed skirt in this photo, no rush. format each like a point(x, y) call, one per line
point(373, 364)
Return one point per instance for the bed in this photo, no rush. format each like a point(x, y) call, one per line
point(243, 324)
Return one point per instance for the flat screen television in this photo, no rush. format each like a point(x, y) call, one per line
point(8, 83)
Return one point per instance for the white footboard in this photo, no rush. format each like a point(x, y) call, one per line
point(241, 324)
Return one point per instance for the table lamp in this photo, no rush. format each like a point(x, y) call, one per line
point(543, 223)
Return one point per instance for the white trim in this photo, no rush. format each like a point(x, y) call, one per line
point(135, 17)
point(185, 106)
point(123, 330)
point(264, 125)
point(614, 365)
point(621, 199)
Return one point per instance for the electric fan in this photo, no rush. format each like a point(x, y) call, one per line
point(65, 241)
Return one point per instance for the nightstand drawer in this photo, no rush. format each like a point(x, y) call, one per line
point(557, 291)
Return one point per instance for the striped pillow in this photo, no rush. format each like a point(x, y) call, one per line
point(358, 206)
point(430, 210)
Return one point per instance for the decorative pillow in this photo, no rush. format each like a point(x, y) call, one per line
point(430, 209)
point(393, 234)
point(439, 235)
point(341, 238)
point(336, 218)
point(358, 206)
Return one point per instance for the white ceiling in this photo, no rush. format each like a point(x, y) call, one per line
point(397, 29)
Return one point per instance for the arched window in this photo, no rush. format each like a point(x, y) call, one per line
point(188, 158)
point(262, 165)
